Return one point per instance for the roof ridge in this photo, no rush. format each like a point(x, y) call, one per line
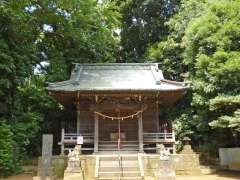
point(173, 82)
point(156, 74)
point(115, 64)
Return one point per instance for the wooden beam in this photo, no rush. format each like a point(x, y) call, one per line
point(109, 106)
point(96, 123)
point(140, 132)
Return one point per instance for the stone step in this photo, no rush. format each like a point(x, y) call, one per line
point(116, 164)
point(116, 158)
point(120, 174)
point(114, 169)
point(122, 178)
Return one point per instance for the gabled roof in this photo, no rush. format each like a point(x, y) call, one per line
point(117, 77)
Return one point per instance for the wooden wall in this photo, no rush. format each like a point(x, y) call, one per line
point(107, 126)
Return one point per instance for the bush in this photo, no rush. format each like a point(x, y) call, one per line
point(6, 149)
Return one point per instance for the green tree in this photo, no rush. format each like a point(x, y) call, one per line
point(38, 32)
point(143, 23)
point(212, 56)
point(203, 48)
point(168, 52)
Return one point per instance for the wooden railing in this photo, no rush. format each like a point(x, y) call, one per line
point(159, 137)
point(71, 139)
point(162, 138)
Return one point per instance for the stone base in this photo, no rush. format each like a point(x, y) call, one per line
point(234, 166)
point(186, 164)
point(73, 176)
point(165, 178)
point(39, 178)
point(165, 171)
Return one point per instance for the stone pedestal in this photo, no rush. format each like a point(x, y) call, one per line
point(165, 170)
point(74, 168)
point(73, 176)
point(187, 149)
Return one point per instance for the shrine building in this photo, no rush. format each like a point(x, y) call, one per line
point(116, 107)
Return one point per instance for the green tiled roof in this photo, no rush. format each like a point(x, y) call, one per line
point(116, 77)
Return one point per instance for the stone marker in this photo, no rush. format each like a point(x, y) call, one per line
point(45, 170)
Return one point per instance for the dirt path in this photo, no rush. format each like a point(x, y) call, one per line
point(217, 176)
point(20, 177)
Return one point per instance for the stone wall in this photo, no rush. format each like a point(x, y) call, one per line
point(183, 164)
point(88, 164)
point(59, 164)
point(186, 164)
point(230, 158)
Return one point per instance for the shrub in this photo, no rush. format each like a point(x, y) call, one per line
point(6, 150)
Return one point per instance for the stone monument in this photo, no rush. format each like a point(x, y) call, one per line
point(74, 167)
point(187, 148)
point(45, 169)
point(165, 169)
point(187, 161)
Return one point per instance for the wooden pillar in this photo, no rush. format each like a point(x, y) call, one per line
point(78, 118)
point(174, 141)
point(62, 141)
point(96, 124)
point(157, 117)
point(140, 132)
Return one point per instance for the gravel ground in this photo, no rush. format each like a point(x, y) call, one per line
point(216, 176)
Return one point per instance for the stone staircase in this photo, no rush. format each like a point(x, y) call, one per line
point(121, 167)
point(113, 146)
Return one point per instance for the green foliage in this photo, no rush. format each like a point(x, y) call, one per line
point(168, 52)
point(78, 31)
point(222, 102)
point(232, 122)
point(6, 153)
point(212, 56)
point(203, 46)
point(38, 32)
point(143, 24)
point(195, 41)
